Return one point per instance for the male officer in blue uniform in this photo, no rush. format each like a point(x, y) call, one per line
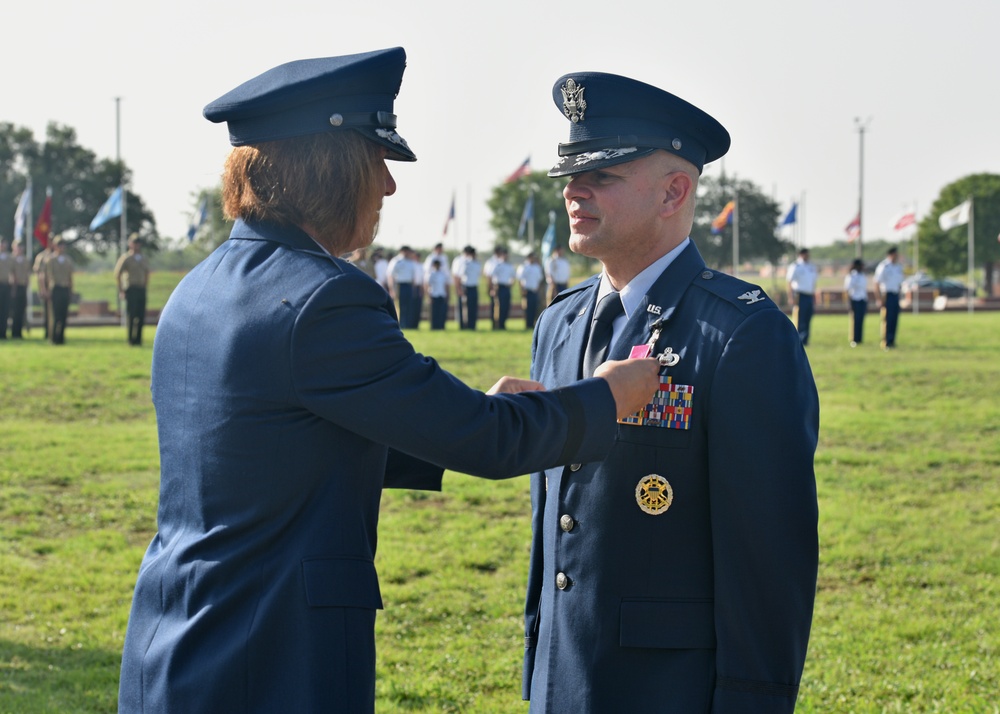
point(677, 575)
point(286, 397)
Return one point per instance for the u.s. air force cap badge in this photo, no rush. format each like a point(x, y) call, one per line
point(654, 494)
point(615, 119)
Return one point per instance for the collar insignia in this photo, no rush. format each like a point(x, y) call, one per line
point(574, 105)
point(751, 296)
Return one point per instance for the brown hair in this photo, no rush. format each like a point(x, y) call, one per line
point(329, 182)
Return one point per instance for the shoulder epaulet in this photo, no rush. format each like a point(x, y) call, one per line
point(746, 296)
point(574, 289)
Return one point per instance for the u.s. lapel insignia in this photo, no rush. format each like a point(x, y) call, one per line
point(574, 104)
point(654, 494)
point(751, 296)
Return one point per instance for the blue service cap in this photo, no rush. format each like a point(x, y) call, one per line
point(615, 119)
point(313, 96)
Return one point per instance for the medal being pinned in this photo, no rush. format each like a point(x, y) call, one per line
point(672, 403)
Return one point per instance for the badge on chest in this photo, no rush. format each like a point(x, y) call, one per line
point(654, 494)
point(671, 406)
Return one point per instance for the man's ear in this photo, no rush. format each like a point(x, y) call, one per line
point(678, 189)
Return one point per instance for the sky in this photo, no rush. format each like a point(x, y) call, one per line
point(794, 82)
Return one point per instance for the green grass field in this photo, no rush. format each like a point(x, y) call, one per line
point(907, 470)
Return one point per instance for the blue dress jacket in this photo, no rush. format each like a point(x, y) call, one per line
point(703, 602)
point(286, 397)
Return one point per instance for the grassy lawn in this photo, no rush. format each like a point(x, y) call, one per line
point(907, 469)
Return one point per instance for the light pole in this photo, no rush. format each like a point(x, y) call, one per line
point(861, 126)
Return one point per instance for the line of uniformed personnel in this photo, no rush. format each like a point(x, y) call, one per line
point(53, 271)
point(412, 282)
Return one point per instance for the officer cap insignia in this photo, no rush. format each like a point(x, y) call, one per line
point(574, 105)
point(627, 120)
point(751, 296)
point(654, 494)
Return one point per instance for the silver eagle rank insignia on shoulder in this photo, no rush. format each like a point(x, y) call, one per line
point(751, 296)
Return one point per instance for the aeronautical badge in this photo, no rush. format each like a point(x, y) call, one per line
point(751, 296)
point(654, 495)
point(668, 358)
point(574, 104)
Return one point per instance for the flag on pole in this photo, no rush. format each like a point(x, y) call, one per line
point(549, 237)
point(904, 221)
point(790, 217)
point(43, 227)
point(198, 219)
point(523, 170)
point(853, 229)
point(958, 216)
point(112, 208)
point(451, 216)
point(724, 219)
point(21, 214)
point(527, 215)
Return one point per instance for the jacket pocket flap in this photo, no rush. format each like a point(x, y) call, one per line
point(668, 624)
point(341, 582)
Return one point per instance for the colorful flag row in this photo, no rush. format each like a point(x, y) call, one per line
point(43, 226)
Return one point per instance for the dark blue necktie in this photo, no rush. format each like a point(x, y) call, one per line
point(607, 310)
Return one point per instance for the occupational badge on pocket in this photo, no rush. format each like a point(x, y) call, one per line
point(654, 494)
point(671, 407)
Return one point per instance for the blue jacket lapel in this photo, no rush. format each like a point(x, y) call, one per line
point(660, 302)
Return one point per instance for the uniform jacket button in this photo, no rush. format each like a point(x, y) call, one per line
point(562, 581)
point(566, 522)
point(575, 467)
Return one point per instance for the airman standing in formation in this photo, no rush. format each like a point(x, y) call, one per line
point(44, 293)
point(888, 281)
point(20, 277)
point(6, 282)
point(801, 277)
point(132, 278)
point(59, 281)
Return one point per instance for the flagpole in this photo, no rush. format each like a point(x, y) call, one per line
point(468, 214)
point(736, 234)
point(29, 239)
point(972, 265)
point(916, 261)
point(531, 226)
point(861, 180)
point(800, 219)
point(124, 198)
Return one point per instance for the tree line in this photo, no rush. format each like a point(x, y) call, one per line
point(81, 182)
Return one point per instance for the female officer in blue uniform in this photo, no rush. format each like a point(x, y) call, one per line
point(676, 575)
point(286, 398)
